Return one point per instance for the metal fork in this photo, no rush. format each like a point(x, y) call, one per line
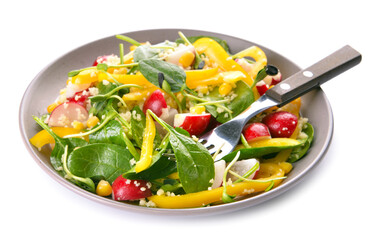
point(224, 138)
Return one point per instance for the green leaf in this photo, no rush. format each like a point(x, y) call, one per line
point(240, 103)
point(99, 160)
point(112, 132)
point(300, 151)
point(144, 52)
point(59, 147)
point(195, 165)
point(138, 124)
point(193, 39)
point(102, 66)
point(246, 153)
point(174, 75)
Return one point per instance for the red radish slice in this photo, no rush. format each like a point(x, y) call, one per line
point(175, 56)
point(101, 59)
point(281, 124)
point(125, 189)
point(219, 169)
point(276, 79)
point(195, 124)
point(262, 87)
point(66, 113)
point(256, 131)
point(241, 167)
point(80, 98)
point(155, 102)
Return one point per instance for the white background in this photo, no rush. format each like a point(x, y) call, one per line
point(334, 200)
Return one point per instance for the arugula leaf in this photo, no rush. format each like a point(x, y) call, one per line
point(174, 75)
point(99, 160)
point(138, 124)
point(195, 165)
point(300, 151)
point(112, 132)
point(241, 102)
point(252, 152)
point(193, 39)
point(144, 52)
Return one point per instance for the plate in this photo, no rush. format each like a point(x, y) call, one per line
point(44, 88)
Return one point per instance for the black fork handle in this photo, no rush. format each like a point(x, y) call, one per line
point(315, 75)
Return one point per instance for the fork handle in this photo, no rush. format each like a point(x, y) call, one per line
point(311, 77)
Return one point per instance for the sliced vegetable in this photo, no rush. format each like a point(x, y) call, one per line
point(65, 114)
point(281, 124)
point(195, 124)
point(256, 131)
point(125, 189)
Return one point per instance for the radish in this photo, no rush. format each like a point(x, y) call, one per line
point(155, 102)
point(256, 131)
point(125, 189)
point(102, 59)
point(241, 167)
point(262, 87)
point(178, 53)
point(195, 124)
point(281, 124)
point(80, 98)
point(66, 113)
point(276, 79)
point(219, 169)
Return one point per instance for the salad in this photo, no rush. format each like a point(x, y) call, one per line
point(127, 127)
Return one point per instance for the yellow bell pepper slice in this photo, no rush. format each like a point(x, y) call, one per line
point(86, 76)
point(147, 145)
point(43, 137)
point(195, 75)
point(258, 55)
point(203, 198)
point(219, 56)
point(274, 142)
point(217, 79)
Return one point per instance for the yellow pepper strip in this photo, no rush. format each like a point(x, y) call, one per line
point(217, 79)
point(203, 198)
point(147, 145)
point(195, 75)
point(85, 76)
point(139, 94)
point(292, 107)
point(43, 137)
point(126, 79)
point(258, 55)
point(219, 56)
point(274, 142)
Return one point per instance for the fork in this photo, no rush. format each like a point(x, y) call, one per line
point(223, 139)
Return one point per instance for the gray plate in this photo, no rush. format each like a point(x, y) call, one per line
point(46, 85)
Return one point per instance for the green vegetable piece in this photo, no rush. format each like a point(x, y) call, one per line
point(246, 153)
point(112, 132)
point(300, 151)
point(138, 124)
point(59, 147)
point(174, 75)
point(144, 52)
point(194, 163)
point(241, 102)
point(99, 160)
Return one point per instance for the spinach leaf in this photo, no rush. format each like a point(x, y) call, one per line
point(174, 75)
point(300, 151)
point(59, 147)
point(193, 39)
point(160, 169)
point(195, 165)
point(99, 160)
point(246, 153)
point(244, 98)
point(138, 124)
point(112, 132)
point(144, 52)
